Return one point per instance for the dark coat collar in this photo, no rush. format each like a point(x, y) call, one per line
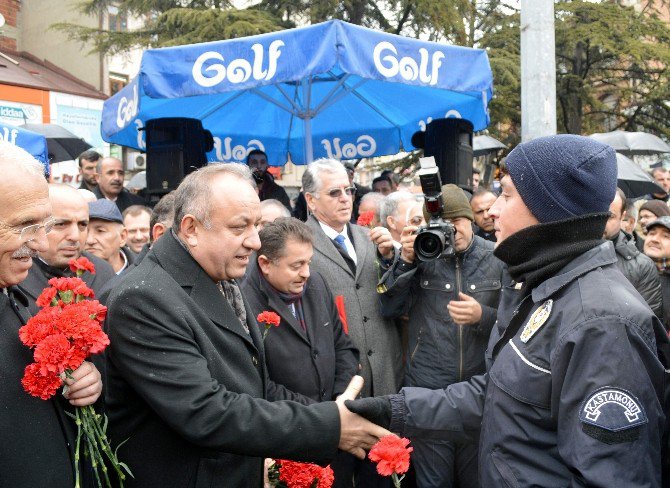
point(185, 270)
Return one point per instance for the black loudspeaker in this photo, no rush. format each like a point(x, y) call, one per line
point(449, 141)
point(175, 147)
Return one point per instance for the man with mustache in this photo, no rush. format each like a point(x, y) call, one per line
point(481, 202)
point(110, 184)
point(66, 242)
point(38, 436)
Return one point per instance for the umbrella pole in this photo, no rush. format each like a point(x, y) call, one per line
point(309, 149)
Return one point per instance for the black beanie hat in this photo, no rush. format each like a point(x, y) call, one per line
point(564, 176)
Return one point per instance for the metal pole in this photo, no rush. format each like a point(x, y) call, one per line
point(538, 69)
point(309, 150)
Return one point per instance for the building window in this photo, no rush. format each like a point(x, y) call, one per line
point(118, 21)
point(117, 82)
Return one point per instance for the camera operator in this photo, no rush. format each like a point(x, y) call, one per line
point(257, 161)
point(451, 291)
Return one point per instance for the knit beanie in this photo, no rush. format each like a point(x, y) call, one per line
point(563, 176)
point(455, 202)
point(657, 207)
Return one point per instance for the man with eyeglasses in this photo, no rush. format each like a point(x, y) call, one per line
point(351, 257)
point(66, 241)
point(38, 438)
point(398, 210)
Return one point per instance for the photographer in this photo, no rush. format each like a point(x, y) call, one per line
point(451, 301)
point(257, 161)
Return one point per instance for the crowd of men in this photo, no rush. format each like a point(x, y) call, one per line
point(533, 355)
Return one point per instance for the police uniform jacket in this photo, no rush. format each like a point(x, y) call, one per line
point(441, 352)
point(574, 389)
point(187, 384)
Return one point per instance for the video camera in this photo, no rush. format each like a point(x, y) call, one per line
point(436, 239)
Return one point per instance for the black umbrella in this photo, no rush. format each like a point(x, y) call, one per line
point(633, 143)
point(633, 180)
point(484, 144)
point(62, 144)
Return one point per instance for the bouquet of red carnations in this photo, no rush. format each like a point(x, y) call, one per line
point(63, 334)
point(292, 474)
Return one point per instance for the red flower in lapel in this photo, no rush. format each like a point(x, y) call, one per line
point(268, 319)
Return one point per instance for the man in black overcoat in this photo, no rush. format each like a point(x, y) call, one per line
point(37, 448)
point(186, 368)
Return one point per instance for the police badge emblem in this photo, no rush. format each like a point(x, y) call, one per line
point(536, 321)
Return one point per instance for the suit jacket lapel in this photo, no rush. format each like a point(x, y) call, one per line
point(361, 244)
point(282, 309)
point(326, 247)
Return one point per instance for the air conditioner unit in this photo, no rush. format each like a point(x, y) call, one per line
point(141, 161)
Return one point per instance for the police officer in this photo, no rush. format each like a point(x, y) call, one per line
point(573, 394)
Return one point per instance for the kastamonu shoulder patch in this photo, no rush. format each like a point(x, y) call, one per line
point(612, 415)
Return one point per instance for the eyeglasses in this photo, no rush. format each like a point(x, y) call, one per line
point(29, 232)
point(337, 192)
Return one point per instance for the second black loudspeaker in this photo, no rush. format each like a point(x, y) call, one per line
point(449, 141)
point(176, 146)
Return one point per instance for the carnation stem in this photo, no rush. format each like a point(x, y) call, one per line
point(105, 446)
point(94, 449)
point(396, 480)
point(76, 451)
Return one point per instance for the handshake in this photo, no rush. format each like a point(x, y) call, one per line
point(364, 421)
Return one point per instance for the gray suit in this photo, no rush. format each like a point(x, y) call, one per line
point(377, 339)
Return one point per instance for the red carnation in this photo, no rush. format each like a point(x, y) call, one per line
point(392, 456)
point(40, 385)
point(268, 318)
point(365, 218)
point(39, 326)
point(55, 354)
point(303, 475)
point(81, 265)
point(46, 297)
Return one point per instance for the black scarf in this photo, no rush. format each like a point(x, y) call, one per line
point(289, 299)
point(538, 252)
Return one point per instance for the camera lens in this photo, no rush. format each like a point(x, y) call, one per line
point(429, 245)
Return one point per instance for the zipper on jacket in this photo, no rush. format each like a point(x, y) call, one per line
point(460, 327)
point(418, 341)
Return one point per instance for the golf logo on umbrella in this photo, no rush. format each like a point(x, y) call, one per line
point(365, 147)
point(235, 153)
point(239, 70)
point(127, 109)
point(407, 66)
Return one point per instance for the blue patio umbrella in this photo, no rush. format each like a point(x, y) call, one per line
point(33, 143)
point(328, 90)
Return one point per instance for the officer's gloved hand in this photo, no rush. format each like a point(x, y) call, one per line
point(375, 409)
